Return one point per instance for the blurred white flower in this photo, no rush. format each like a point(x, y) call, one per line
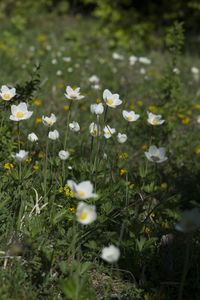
point(70, 70)
point(73, 94)
point(176, 71)
point(74, 126)
point(108, 131)
point(154, 119)
point(132, 60)
point(54, 61)
point(96, 86)
point(59, 73)
point(63, 154)
point(112, 100)
point(198, 119)
point(195, 70)
point(20, 112)
point(86, 214)
point(155, 154)
point(190, 221)
point(6, 93)
point(53, 135)
point(117, 56)
point(67, 59)
point(110, 254)
point(130, 116)
point(94, 129)
point(144, 60)
point(97, 108)
point(195, 73)
point(32, 137)
point(49, 121)
point(21, 155)
point(122, 138)
point(83, 190)
point(94, 79)
point(142, 71)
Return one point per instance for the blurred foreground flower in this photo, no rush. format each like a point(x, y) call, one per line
point(110, 254)
point(156, 154)
point(20, 112)
point(21, 155)
point(190, 221)
point(49, 121)
point(112, 100)
point(73, 94)
point(6, 93)
point(86, 214)
point(63, 154)
point(154, 119)
point(130, 116)
point(83, 190)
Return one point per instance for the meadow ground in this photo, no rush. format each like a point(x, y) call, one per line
point(139, 200)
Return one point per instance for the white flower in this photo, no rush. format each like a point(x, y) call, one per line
point(94, 79)
point(74, 126)
point(112, 100)
point(63, 154)
point(54, 61)
point(49, 121)
point(96, 86)
point(156, 154)
point(53, 135)
point(108, 131)
point(21, 155)
point(142, 71)
point(154, 119)
point(117, 56)
point(6, 93)
point(144, 60)
point(73, 94)
point(32, 137)
point(94, 129)
point(110, 254)
point(83, 190)
point(86, 214)
point(198, 119)
point(97, 108)
point(176, 71)
point(195, 70)
point(67, 59)
point(130, 116)
point(59, 73)
point(122, 138)
point(20, 112)
point(132, 60)
point(190, 221)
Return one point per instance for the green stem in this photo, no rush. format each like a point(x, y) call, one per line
point(67, 129)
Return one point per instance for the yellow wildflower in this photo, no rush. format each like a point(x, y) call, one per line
point(98, 100)
point(181, 116)
point(146, 229)
point(197, 106)
point(38, 120)
point(72, 209)
point(163, 186)
point(36, 166)
point(37, 102)
point(66, 107)
point(196, 150)
point(8, 166)
point(41, 154)
point(140, 103)
point(153, 109)
point(123, 156)
point(123, 172)
point(130, 185)
point(186, 120)
point(132, 106)
point(144, 147)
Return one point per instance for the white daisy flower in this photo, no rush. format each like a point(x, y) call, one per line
point(110, 254)
point(112, 100)
point(108, 131)
point(155, 154)
point(73, 94)
point(130, 116)
point(83, 190)
point(49, 121)
point(86, 214)
point(20, 112)
point(6, 93)
point(154, 119)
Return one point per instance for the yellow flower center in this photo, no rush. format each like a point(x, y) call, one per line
point(83, 216)
point(155, 122)
point(6, 96)
point(81, 194)
point(129, 118)
point(109, 101)
point(20, 114)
